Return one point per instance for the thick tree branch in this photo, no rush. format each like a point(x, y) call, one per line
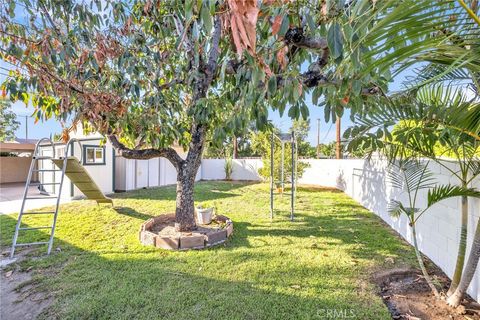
point(296, 37)
point(212, 62)
point(145, 154)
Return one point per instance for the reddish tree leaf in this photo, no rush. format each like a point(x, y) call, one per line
point(265, 67)
point(235, 36)
point(243, 21)
point(282, 58)
point(277, 23)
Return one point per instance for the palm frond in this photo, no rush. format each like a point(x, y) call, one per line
point(410, 175)
point(432, 113)
point(408, 31)
point(443, 192)
point(396, 208)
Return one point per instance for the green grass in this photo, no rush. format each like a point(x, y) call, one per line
point(307, 269)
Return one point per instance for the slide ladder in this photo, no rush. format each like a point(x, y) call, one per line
point(69, 166)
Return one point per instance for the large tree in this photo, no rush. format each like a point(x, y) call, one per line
point(149, 74)
point(8, 119)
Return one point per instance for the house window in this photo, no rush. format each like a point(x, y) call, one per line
point(93, 155)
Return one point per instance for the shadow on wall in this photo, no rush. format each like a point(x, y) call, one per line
point(340, 181)
point(371, 187)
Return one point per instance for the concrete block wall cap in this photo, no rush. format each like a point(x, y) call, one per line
point(215, 237)
point(148, 238)
point(167, 243)
point(192, 242)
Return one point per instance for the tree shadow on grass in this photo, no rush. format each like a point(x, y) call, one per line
point(365, 236)
point(204, 191)
point(127, 211)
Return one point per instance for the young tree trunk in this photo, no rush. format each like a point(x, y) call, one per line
point(472, 263)
point(235, 147)
point(422, 264)
point(462, 248)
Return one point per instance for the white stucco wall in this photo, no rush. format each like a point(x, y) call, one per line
point(243, 169)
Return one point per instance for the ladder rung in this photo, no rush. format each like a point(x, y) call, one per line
point(47, 170)
point(30, 244)
point(44, 184)
point(39, 212)
point(35, 228)
point(45, 197)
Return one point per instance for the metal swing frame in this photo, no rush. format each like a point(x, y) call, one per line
point(284, 139)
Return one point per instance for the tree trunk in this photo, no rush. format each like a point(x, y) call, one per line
point(235, 147)
point(422, 264)
point(186, 172)
point(185, 208)
point(472, 263)
point(462, 248)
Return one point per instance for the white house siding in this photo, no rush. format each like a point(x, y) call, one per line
point(102, 174)
point(134, 174)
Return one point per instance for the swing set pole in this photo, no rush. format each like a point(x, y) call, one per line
point(292, 193)
point(271, 175)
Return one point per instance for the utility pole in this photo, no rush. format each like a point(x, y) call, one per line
point(318, 138)
point(26, 127)
point(338, 145)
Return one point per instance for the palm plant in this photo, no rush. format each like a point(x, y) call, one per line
point(411, 177)
point(445, 35)
point(228, 167)
point(432, 124)
point(404, 33)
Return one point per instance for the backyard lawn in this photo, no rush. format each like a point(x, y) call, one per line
point(310, 268)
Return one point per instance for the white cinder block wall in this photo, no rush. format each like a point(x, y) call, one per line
point(243, 169)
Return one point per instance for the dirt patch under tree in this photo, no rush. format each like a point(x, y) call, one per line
point(407, 296)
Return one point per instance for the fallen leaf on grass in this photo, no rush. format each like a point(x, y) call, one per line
point(295, 286)
point(389, 260)
point(9, 274)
